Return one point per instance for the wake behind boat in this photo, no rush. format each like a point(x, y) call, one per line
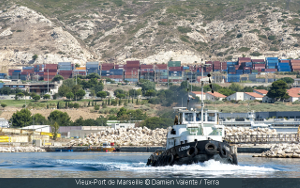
point(196, 136)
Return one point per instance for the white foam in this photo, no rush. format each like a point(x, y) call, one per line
point(211, 166)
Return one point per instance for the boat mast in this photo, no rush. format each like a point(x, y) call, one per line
point(202, 103)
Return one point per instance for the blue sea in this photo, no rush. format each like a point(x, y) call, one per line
point(133, 165)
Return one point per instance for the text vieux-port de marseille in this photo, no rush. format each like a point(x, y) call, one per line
point(147, 182)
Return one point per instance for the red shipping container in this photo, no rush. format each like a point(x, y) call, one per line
point(257, 60)
point(175, 68)
point(50, 66)
point(146, 66)
point(284, 61)
point(161, 66)
point(135, 62)
point(270, 70)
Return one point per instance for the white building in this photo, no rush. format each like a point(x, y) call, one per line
point(238, 96)
point(122, 125)
point(198, 94)
point(3, 123)
point(38, 128)
point(214, 96)
point(250, 96)
point(294, 94)
point(262, 92)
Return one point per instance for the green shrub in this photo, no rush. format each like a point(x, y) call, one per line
point(184, 29)
point(244, 49)
point(96, 107)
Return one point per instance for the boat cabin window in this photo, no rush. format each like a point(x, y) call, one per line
point(198, 117)
point(188, 117)
point(211, 117)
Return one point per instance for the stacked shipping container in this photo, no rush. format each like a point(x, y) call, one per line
point(295, 64)
point(92, 67)
point(50, 71)
point(161, 72)
point(132, 71)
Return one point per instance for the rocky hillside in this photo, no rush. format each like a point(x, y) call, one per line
point(150, 30)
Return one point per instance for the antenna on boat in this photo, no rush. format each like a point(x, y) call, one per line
point(188, 96)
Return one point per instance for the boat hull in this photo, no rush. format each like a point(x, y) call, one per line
point(195, 152)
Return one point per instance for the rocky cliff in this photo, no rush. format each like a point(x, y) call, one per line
point(152, 31)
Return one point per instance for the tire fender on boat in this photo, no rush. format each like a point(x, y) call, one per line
point(211, 148)
point(170, 159)
point(235, 161)
point(192, 151)
point(223, 152)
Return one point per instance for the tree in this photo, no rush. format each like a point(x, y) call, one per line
point(63, 90)
point(148, 86)
point(36, 98)
point(226, 91)
point(21, 118)
point(5, 90)
point(57, 106)
point(80, 94)
point(62, 118)
point(278, 90)
point(32, 94)
point(57, 78)
point(54, 130)
point(76, 88)
point(98, 87)
point(34, 57)
point(70, 95)
point(121, 112)
point(134, 93)
point(150, 93)
point(47, 96)
point(156, 122)
point(120, 96)
point(77, 65)
point(93, 75)
point(288, 80)
point(69, 82)
point(119, 91)
point(19, 95)
point(235, 87)
point(3, 105)
point(101, 94)
point(38, 119)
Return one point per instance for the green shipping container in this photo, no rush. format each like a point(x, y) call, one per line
point(174, 64)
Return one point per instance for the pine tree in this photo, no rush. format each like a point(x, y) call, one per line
point(89, 104)
point(66, 105)
point(57, 105)
point(120, 102)
point(47, 106)
point(137, 101)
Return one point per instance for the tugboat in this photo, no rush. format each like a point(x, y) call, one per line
point(196, 136)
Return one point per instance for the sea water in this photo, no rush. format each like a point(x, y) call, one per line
point(133, 165)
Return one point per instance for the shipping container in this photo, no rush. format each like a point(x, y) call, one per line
point(161, 66)
point(174, 64)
